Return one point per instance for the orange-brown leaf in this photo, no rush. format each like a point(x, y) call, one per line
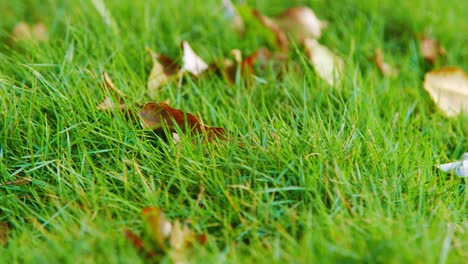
point(384, 68)
point(138, 243)
point(430, 49)
point(281, 37)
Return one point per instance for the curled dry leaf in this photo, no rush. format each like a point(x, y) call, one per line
point(191, 62)
point(448, 87)
point(430, 49)
point(160, 116)
point(327, 65)
point(233, 16)
point(384, 68)
point(23, 32)
point(4, 229)
point(157, 225)
point(299, 22)
point(164, 70)
point(460, 168)
point(231, 67)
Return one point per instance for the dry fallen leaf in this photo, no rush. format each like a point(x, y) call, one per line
point(430, 49)
point(299, 22)
point(114, 92)
point(138, 243)
point(233, 16)
point(327, 65)
point(23, 32)
point(157, 226)
point(4, 229)
point(181, 239)
point(448, 87)
point(191, 62)
point(384, 68)
point(281, 38)
point(164, 70)
point(173, 239)
point(460, 168)
point(160, 116)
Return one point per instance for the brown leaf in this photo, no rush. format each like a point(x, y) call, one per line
point(191, 62)
point(164, 70)
point(233, 16)
point(384, 68)
point(300, 23)
point(4, 230)
point(157, 116)
point(430, 49)
point(448, 87)
point(23, 32)
point(327, 65)
point(157, 226)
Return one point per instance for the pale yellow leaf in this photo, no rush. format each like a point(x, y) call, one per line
point(180, 241)
point(448, 87)
point(157, 76)
point(327, 65)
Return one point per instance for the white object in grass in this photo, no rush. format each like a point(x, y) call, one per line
point(459, 167)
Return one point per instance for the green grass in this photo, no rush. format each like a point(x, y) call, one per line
point(322, 175)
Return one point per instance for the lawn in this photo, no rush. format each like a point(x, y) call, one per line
point(310, 174)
